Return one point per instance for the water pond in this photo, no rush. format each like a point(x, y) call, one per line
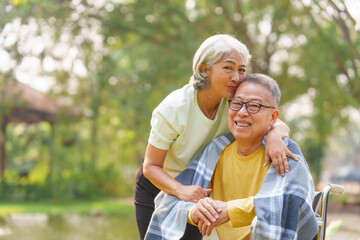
point(67, 227)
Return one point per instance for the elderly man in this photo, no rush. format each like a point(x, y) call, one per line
point(242, 187)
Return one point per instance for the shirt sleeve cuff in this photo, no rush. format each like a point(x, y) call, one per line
point(189, 219)
point(241, 212)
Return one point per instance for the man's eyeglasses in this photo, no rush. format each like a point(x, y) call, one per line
point(251, 107)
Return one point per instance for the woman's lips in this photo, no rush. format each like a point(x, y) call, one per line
point(232, 88)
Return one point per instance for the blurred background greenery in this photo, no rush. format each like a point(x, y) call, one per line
point(79, 80)
point(99, 68)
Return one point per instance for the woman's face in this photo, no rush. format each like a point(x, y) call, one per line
point(226, 74)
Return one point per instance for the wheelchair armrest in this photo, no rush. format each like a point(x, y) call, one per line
point(320, 221)
point(337, 189)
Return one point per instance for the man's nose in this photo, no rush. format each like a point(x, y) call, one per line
point(242, 111)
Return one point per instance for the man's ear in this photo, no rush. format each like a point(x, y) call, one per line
point(274, 116)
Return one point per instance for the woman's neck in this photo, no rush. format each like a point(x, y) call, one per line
point(208, 103)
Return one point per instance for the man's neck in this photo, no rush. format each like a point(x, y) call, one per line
point(246, 148)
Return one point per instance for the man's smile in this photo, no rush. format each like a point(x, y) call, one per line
point(242, 124)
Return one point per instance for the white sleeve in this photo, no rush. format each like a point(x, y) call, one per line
point(164, 128)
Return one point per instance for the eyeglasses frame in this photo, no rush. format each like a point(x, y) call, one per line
point(246, 105)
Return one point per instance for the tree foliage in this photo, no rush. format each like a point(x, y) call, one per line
point(115, 61)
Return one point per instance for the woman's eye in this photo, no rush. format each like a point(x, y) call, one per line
point(242, 70)
point(228, 68)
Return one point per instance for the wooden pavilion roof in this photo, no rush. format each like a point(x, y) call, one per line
point(28, 105)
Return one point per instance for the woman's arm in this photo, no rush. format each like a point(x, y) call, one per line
point(276, 149)
point(153, 170)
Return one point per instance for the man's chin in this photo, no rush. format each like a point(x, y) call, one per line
point(241, 136)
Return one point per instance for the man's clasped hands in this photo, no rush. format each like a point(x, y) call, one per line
point(209, 213)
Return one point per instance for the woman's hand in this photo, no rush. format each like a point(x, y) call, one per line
point(192, 193)
point(276, 149)
point(153, 170)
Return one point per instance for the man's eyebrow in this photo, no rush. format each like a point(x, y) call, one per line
point(251, 100)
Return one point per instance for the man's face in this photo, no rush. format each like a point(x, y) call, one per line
point(247, 126)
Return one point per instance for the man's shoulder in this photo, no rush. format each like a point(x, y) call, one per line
point(227, 137)
point(217, 145)
point(292, 145)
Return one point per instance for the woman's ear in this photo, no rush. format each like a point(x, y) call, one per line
point(203, 69)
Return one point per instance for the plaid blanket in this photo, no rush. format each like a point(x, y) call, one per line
point(283, 205)
point(276, 213)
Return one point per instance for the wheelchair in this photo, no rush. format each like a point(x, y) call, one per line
point(319, 205)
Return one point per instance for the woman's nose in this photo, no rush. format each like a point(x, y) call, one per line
point(236, 77)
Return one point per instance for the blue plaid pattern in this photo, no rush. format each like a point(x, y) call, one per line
point(282, 206)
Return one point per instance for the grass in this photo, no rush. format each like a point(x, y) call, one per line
point(98, 207)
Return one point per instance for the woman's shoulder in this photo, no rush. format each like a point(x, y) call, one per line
point(180, 98)
point(175, 108)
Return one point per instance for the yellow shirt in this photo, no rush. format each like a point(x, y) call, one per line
point(237, 180)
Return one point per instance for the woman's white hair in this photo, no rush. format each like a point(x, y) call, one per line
point(211, 51)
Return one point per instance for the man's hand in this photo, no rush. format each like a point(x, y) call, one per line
point(208, 214)
point(205, 210)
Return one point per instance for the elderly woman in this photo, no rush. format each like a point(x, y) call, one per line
point(190, 118)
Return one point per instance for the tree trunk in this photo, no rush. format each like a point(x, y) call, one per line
point(3, 149)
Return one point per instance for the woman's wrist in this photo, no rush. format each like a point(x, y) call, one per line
point(279, 129)
point(273, 126)
point(177, 189)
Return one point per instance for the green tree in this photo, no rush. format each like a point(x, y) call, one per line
point(119, 59)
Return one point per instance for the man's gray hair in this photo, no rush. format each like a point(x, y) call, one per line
point(267, 82)
point(211, 51)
